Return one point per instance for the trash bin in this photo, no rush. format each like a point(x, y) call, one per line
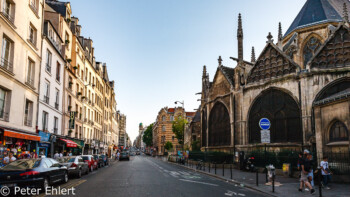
point(287, 170)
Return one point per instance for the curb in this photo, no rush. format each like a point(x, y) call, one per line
point(224, 179)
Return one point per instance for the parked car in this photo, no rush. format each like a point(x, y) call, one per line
point(92, 163)
point(99, 160)
point(124, 155)
point(75, 164)
point(33, 173)
point(105, 160)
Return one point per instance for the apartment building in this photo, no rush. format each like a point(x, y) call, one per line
point(20, 35)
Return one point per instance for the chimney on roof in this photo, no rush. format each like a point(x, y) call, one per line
point(240, 38)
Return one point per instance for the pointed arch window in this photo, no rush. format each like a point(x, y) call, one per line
point(338, 132)
point(310, 48)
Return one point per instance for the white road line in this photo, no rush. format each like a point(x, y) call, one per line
point(204, 183)
point(184, 173)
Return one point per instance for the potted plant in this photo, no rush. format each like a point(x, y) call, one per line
point(69, 107)
point(69, 60)
point(79, 93)
point(75, 67)
point(66, 41)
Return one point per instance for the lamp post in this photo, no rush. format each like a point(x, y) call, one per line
point(183, 134)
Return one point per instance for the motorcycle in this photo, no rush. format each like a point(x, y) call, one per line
point(249, 164)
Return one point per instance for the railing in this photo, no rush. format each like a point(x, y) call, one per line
point(8, 16)
point(4, 115)
point(46, 99)
point(6, 64)
point(56, 106)
point(30, 81)
point(34, 8)
point(27, 121)
point(32, 40)
point(48, 68)
point(213, 157)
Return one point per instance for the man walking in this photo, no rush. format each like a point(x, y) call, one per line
point(306, 167)
point(326, 173)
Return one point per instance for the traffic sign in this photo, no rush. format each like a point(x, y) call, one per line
point(265, 136)
point(264, 123)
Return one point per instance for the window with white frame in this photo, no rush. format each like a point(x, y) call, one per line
point(55, 125)
point(58, 71)
point(32, 34)
point(6, 55)
point(28, 113)
point(8, 10)
point(48, 61)
point(30, 72)
point(57, 100)
point(4, 104)
point(47, 92)
point(45, 120)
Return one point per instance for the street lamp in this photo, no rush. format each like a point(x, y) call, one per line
point(183, 135)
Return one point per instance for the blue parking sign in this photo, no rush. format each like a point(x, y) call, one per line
point(264, 123)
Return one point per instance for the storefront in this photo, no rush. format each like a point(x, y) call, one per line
point(19, 143)
point(44, 145)
point(79, 149)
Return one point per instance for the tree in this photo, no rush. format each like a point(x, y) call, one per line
point(148, 136)
point(168, 146)
point(178, 128)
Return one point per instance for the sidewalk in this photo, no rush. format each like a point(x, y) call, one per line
point(288, 186)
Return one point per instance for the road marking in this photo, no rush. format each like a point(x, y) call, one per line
point(184, 173)
point(231, 193)
point(204, 183)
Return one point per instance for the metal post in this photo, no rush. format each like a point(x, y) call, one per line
point(319, 181)
point(257, 178)
point(273, 183)
point(215, 167)
point(209, 167)
point(231, 170)
point(223, 169)
point(265, 165)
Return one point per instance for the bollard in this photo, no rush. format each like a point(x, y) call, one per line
point(319, 181)
point(257, 178)
point(223, 169)
point(231, 170)
point(266, 175)
point(273, 183)
point(215, 167)
point(209, 167)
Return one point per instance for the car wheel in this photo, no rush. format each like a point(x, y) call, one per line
point(79, 173)
point(65, 178)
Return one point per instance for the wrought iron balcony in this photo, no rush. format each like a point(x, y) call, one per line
point(8, 16)
point(6, 64)
point(33, 7)
point(27, 120)
point(46, 99)
point(56, 105)
point(48, 68)
point(30, 82)
point(4, 115)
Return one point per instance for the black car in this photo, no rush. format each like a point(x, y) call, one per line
point(33, 173)
point(124, 155)
point(99, 160)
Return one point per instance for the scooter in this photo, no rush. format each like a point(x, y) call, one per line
point(249, 164)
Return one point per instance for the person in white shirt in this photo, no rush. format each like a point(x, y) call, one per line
point(326, 173)
point(57, 155)
point(9, 158)
point(61, 154)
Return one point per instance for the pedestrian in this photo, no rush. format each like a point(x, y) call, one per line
point(61, 154)
point(70, 153)
point(311, 173)
point(306, 167)
point(10, 158)
point(57, 155)
point(118, 155)
point(326, 173)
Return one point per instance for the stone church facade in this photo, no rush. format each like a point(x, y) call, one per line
point(301, 83)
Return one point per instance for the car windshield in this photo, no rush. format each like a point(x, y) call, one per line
point(23, 164)
point(66, 159)
point(85, 158)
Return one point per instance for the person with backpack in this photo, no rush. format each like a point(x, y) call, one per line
point(326, 173)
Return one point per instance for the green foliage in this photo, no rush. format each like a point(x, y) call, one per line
point(148, 136)
point(168, 146)
point(196, 146)
point(178, 128)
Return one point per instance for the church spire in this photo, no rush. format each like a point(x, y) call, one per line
point(345, 13)
point(204, 71)
point(240, 38)
point(280, 37)
point(253, 55)
point(220, 61)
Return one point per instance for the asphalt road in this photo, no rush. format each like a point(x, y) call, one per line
point(147, 176)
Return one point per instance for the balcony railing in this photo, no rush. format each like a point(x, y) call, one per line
point(56, 105)
point(46, 99)
point(30, 82)
point(27, 120)
point(6, 64)
point(8, 16)
point(48, 68)
point(4, 115)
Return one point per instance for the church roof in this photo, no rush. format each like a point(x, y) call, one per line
point(335, 97)
point(228, 73)
point(317, 12)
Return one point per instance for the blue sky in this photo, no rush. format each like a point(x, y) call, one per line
point(155, 49)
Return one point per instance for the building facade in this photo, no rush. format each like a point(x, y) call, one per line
point(300, 83)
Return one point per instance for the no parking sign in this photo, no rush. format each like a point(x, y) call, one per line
point(265, 125)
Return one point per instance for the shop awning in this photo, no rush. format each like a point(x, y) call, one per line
point(69, 143)
point(21, 135)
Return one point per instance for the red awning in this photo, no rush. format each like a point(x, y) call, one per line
point(70, 143)
point(14, 134)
